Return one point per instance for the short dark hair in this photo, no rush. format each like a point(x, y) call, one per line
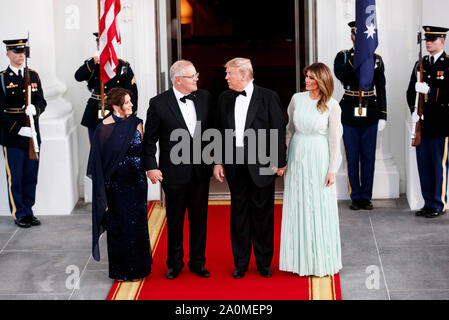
point(116, 97)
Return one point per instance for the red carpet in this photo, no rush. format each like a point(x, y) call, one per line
point(221, 285)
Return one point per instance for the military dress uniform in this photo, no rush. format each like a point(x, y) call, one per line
point(432, 154)
point(360, 125)
point(90, 72)
point(21, 171)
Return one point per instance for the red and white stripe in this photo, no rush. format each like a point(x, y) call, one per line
point(109, 38)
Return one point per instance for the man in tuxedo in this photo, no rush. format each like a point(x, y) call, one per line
point(244, 108)
point(186, 185)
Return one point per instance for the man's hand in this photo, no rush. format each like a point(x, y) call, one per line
point(330, 179)
point(96, 60)
point(280, 172)
point(219, 172)
point(422, 87)
point(155, 176)
point(382, 124)
point(25, 132)
point(30, 110)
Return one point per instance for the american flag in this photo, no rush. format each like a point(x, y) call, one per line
point(109, 38)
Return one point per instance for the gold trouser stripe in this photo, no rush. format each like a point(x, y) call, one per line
point(11, 198)
point(444, 186)
point(347, 168)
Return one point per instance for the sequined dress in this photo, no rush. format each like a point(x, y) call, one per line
point(128, 240)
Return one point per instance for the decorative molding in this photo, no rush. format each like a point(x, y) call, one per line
point(348, 9)
point(126, 13)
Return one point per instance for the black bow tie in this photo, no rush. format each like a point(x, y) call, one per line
point(191, 96)
point(237, 93)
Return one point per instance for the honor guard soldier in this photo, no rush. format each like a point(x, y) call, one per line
point(15, 134)
point(432, 153)
point(90, 72)
point(361, 122)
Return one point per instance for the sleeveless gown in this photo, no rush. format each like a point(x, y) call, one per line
point(128, 240)
point(310, 237)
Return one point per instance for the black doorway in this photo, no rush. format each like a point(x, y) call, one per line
point(215, 31)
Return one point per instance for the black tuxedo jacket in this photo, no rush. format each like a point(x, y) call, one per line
point(163, 117)
point(264, 112)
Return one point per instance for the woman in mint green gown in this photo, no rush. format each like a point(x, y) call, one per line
point(310, 236)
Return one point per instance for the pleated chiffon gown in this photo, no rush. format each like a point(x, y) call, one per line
point(310, 236)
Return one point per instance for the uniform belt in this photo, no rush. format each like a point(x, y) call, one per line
point(356, 93)
point(14, 110)
point(95, 96)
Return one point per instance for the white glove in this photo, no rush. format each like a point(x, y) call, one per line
point(382, 124)
point(422, 87)
point(25, 132)
point(415, 117)
point(30, 110)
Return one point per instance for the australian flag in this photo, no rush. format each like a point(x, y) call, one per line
point(366, 42)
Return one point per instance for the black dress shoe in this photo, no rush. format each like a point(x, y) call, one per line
point(355, 205)
point(265, 272)
point(433, 213)
point(33, 220)
point(238, 273)
point(423, 212)
point(366, 204)
point(23, 222)
point(172, 273)
point(201, 272)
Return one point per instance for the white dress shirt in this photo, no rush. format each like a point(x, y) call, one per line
point(436, 57)
point(16, 70)
point(240, 113)
point(188, 111)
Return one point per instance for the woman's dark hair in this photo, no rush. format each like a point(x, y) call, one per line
point(116, 97)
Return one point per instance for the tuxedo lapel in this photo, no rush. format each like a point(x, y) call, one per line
point(174, 108)
point(231, 111)
point(252, 109)
point(199, 108)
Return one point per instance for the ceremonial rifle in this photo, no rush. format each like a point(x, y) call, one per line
point(419, 102)
point(33, 146)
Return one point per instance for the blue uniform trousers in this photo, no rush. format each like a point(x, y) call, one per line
point(360, 146)
point(432, 159)
point(21, 175)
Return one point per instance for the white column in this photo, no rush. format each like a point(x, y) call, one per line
point(57, 191)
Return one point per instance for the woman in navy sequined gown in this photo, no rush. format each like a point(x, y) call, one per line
point(120, 194)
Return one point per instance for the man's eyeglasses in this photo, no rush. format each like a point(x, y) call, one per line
point(195, 76)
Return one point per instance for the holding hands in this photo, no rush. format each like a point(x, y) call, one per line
point(154, 176)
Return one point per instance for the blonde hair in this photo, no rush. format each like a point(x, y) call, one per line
point(323, 76)
point(243, 65)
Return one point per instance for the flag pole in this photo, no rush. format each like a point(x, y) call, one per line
point(101, 81)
